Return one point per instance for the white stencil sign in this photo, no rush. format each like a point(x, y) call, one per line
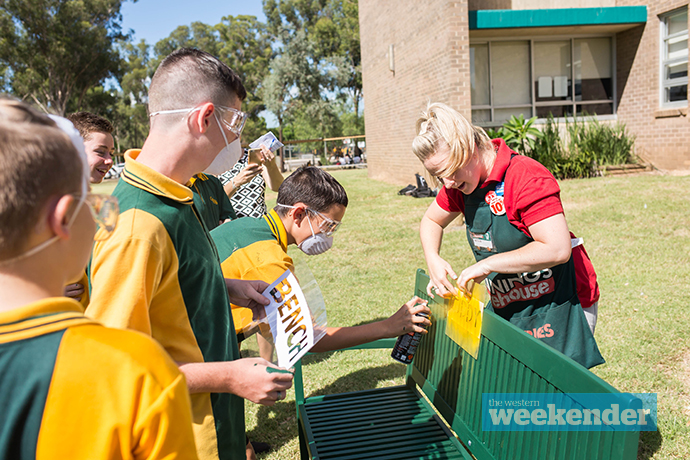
point(290, 319)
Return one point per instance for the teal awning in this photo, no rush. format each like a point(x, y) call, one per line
point(560, 17)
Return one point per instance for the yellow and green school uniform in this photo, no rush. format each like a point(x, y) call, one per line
point(252, 249)
point(159, 273)
point(211, 200)
point(73, 389)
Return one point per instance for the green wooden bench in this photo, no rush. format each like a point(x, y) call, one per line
point(437, 413)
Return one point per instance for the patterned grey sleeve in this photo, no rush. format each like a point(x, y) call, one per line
point(227, 175)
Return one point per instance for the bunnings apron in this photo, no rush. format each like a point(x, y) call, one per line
point(544, 304)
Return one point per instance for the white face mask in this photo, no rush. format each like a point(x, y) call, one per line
point(40, 247)
point(317, 243)
point(226, 159)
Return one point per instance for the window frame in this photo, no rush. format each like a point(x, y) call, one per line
point(533, 106)
point(665, 83)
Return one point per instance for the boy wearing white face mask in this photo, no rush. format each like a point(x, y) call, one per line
point(159, 272)
point(69, 387)
point(309, 210)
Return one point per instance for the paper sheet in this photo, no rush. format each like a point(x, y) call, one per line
point(295, 327)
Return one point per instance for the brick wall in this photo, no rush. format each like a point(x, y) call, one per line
point(431, 48)
point(431, 51)
point(663, 136)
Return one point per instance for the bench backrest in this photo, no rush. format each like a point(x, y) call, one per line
point(509, 361)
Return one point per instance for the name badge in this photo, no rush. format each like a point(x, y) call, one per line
point(482, 241)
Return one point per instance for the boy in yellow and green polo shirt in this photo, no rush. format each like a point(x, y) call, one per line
point(310, 206)
point(69, 387)
point(159, 273)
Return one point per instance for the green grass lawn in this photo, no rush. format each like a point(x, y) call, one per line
point(637, 233)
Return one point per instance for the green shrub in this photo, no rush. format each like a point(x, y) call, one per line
point(519, 133)
point(549, 150)
point(610, 145)
point(494, 133)
point(589, 144)
point(548, 147)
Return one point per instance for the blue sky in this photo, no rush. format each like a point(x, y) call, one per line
point(155, 19)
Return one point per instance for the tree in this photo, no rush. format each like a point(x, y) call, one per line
point(294, 83)
point(130, 118)
point(246, 47)
point(331, 28)
point(198, 35)
point(57, 50)
point(337, 35)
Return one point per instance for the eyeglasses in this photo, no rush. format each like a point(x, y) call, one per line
point(328, 226)
point(104, 210)
point(233, 119)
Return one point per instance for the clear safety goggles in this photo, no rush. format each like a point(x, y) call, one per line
point(233, 119)
point(328, 226)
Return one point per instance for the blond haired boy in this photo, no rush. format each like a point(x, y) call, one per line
point(70, 387)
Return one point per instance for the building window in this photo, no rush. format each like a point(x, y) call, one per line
point(674, 58)
point(541, 77)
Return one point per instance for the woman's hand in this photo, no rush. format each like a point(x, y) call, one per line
point(266, 154)
point(477, 272)
point(439, 270)
point(250, 172)
point(271, 172)
point(431, 233)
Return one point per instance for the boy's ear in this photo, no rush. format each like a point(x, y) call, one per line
point(59, 214)
point(201, 119)
point(298, 213)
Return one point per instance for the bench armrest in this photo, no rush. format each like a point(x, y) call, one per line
point(299, 384)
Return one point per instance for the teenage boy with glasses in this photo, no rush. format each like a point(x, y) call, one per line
point(309, 210)
point(159, 273)
point(69, 387)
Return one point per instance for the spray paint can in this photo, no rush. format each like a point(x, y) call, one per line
point(406, 345)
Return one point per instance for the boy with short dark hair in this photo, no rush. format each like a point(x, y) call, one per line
point(310, 206)
point(69, 387)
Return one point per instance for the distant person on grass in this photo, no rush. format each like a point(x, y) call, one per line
point(516, 229)
point(159, 273)
point(69, 387)
point(311, 204)
point(99, 146)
